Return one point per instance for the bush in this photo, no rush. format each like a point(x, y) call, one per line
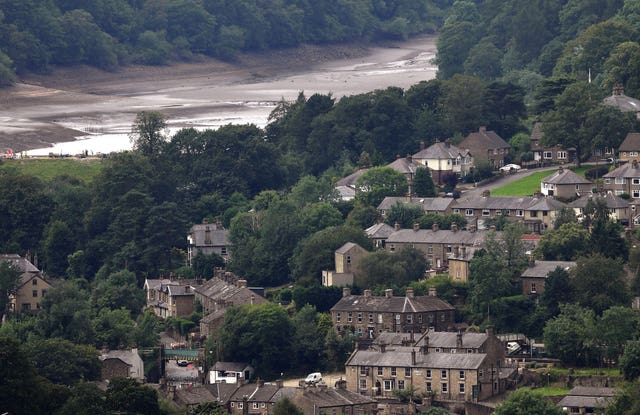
point(596, 172)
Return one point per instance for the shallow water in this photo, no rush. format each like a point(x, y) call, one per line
point(105, 123)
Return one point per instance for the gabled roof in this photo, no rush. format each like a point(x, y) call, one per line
point(428, 204)
point(440, 150)
point(482, 140)
point(543, 268)
point(208, 234)
point(418, 304)
point(429, 236)
point(612, 201)
point(194, 396)
point(565, 176)
point(379, 230)
point(400, 356)
point(588, 397)
point(20, 263)
point(230, 366)
point(324, 397)
point(631, 142)
point(351, 179)
point(255, 392)
point(130, 357)
point(405, 165)
point(347, 247)
point(627, 171)
point(222, 392)
point(537, 133)
point(219, 290)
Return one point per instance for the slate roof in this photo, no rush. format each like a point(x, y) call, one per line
point(127, 356)
point(428, 204)
point(588, 397)
point(405, 165)
point(440, 150)
point(347, 247)
point(612, 201)
point(510, 203)
point(379, 230)
point(482, 140)
point(180, 290)
point(631, 142)
point(621, 101)
point(324, 397)
point(351, 179)
point(565, 176)
point(542, 268)
point(222, 392)
point(194, 396)
point(429, 236)
point(392, 304)
point(399, 356)
point(218, 235)
point(218, 289)
point(19, 263)
point(447, 339)
point(255, 392)
point(230, 366)
point(627, 170)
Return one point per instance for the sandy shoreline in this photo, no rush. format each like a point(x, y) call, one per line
point(42, 109)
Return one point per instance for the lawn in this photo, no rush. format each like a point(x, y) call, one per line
point(49, 169)
point(523, 187)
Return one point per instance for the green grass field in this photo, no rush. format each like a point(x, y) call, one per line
point(528, 185)
point(49, 169)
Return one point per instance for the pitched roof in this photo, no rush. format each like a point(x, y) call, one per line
point(324, 397)
point(480, 141)
point(428, 204)
point(588, 397)
point(542, 268)
point(351, 179)
point(255, 392)
point(619, 100)
point(612, 201)
point(219, 290)
point(208, 234)
point(194, 396)
point(537, 133)
point(222, 391)
point(347, 247)
point(230, 366)
point(510, 203)
point(447, 339)
point(429, 236)
point(418, 304)
point(565, 176)
point(631, 142)
point(379, 230)
point(20, 263)
point(400, 356)
point(627, 170)
point(405, 165)
point(130, 357)
point(440, 150)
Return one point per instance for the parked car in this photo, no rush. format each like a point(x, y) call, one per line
point(182, 363)
point(510, 167)
point(313, 378)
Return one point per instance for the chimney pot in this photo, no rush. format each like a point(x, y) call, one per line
point(413, 357)
point(421, 145)
point(482, 129)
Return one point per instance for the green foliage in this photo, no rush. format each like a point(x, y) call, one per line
point(423, 185)
point(377, 183)
point(285, 407)
point(9, 277)
point(392, 269)
point(148, 133)
point(128, 396)
point(599, 283)
point(63, 362)
point(568, 336)
point(404, 214)
point(566, 243)
point(630, 360)
point(626, 401)
point(557, 290)
point(527, 402)
point(320, 297)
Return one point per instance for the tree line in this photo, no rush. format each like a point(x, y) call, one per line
point(36, 34)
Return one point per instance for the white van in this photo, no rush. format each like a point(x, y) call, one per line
point(313, 378)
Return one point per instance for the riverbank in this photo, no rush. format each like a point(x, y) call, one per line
point(84, 101)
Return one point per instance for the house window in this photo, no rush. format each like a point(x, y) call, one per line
point(438, 350)
point(393, 371)
point(34, 293)
point(34, 281)
point(548, 155)
point(349, 317)
point(388, 385)
point(443, 374)
point(619, 180)
point(444, 387)
point(379, 370)
point(409, 318)
point(461, 388)
point(636, 194)
point(359, 317)
point(240, 405)
point(44, 292)
point(371, 318)
point(498, 213)
point(562, 154)
point(392, 247)
point(486, 212)
point(430, 318)
point(256, 405)
point(443, 317)
point(468, 212)
point(428, 386)
point(348, 259)
point(233, 404)
point(430, 249)
point(401, 384)
point(223, 250)
point(519, 212)
point(533, 288)
point(26, 307)
point(634, 181)
point(363, 384)
point(619, 192)
point(428, 374)
point(379, 318)
point(607, 181)
point(338, 317)
point(359, 331)
point(480, 373)
point(534, 213)
point(461, 374)
point(262, 405)
point(398, 318)
point(419, 318)
point(363, 371)
point(456, 210)
point(407, 372)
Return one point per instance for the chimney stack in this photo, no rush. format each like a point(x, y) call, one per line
point(634, 164)
point(560, 170)
point(532, 261)
point(421, 145)
point(242, 283)
point(416, 227)
point(413, 357)
point(433, 292)
point(346, 291)
point(454, 227)
point(367, 293)
point(409, 293)
point(435, 227)
point(482, 129)
point(388, 293)
point(459, 340)
point(456, 251)
point(396, 226)
point(409, 158)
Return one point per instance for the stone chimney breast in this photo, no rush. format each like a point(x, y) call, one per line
point(346, 291)
point(409, 292)
point(388, 293)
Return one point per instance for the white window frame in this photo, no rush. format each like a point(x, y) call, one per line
point(461, 374)
point(619, 180)
point(486, 212)
point(468, 212)
point(427, 374)
point(562, 155)
point(461, 389)
point(635, 181)
point(547, 155)
point(520, 213)
point(388, 385)
point(443, 374)
point(445, 387)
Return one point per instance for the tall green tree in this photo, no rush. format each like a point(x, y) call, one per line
point(148, 133)
point(599, 283)
point(378, 182)
point(423, 185)
point(9, 277)
point(569, 335)
point(527, 402)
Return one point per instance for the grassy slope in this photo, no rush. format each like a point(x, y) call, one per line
point(49, 169)
point(528, 185)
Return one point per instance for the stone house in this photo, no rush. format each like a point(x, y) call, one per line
point(437, 205)
point(629, 148)
point(122, 363)
point(487, 146)
point(459, 261)
point(172, 297)
point(437, 245)
point(443, 158)
point(537, 213)
point(258, 398)
point(565, 184)
point(219, 293)
point(543, 155)
point(451, 367)
point(31, 286)
point(623, 180)
point(533, 278)
point(619, 208)
point(379, 233)
point(587, 400)
point(367, 316)
point(208, 238)
point(347, 262)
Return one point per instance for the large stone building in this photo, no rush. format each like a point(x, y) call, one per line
point(208, 238)
point(368, 315)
